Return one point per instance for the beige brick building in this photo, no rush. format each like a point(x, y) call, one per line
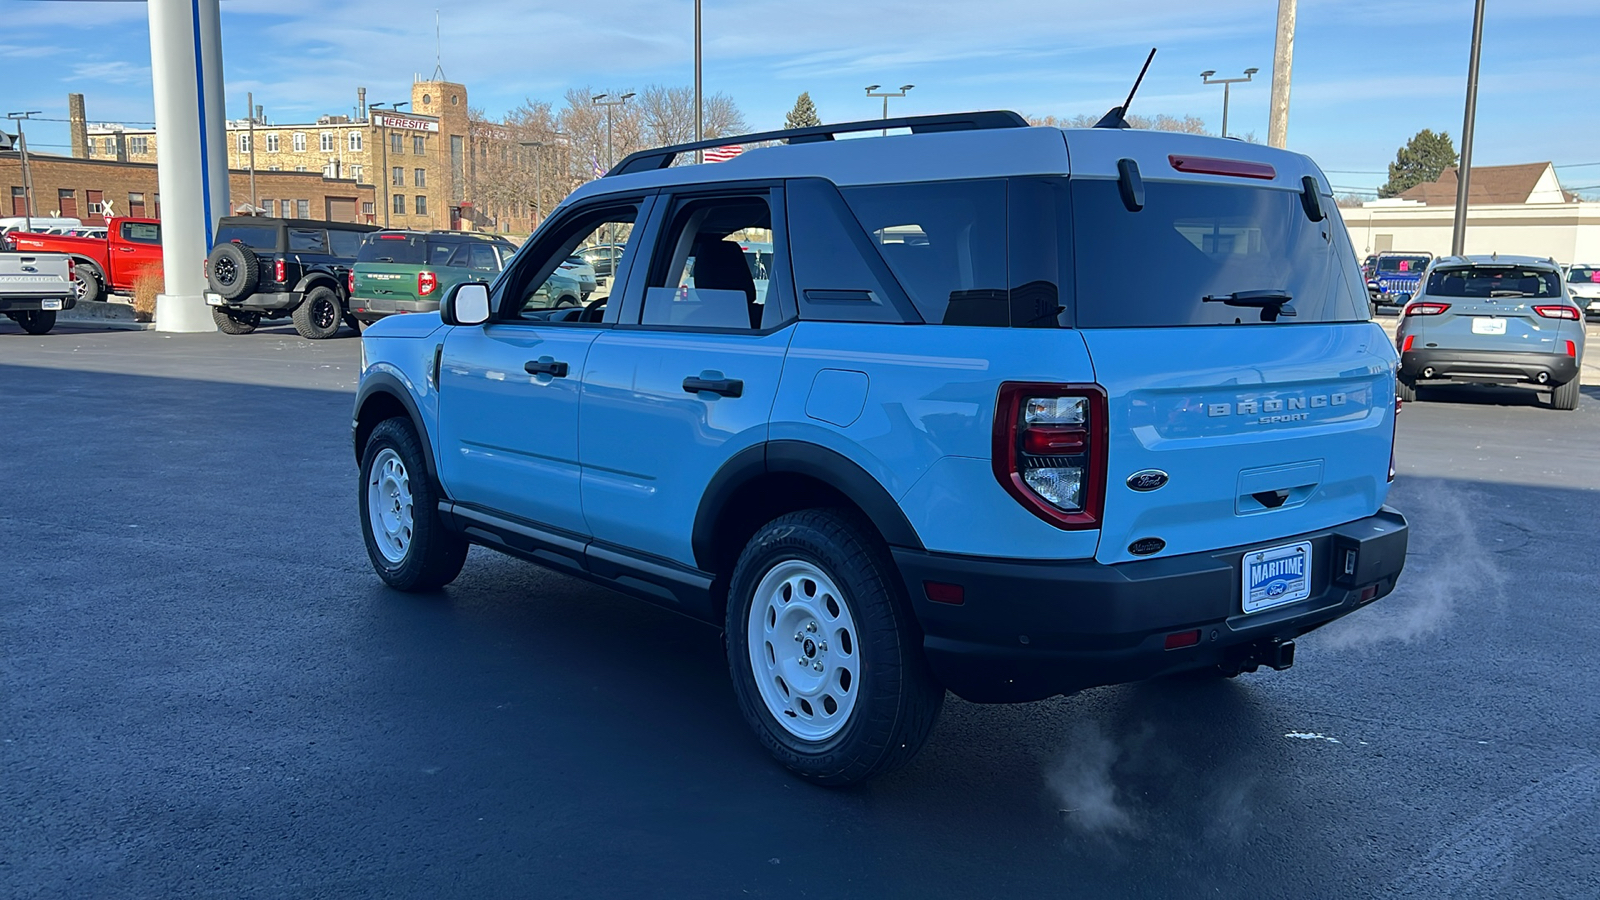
point(415, 164)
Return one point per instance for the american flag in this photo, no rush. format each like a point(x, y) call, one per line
point(723, 154)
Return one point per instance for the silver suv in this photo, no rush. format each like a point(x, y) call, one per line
point(1493, 319)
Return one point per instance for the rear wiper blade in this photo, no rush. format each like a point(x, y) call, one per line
point(1271, 303)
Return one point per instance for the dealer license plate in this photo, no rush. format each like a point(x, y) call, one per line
point(50, 304)
point(1276, 576)
point(1482, 325)
point(213, 299)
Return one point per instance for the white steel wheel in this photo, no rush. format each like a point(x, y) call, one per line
point(804, 650)
point(389, 505)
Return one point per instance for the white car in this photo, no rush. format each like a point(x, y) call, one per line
point(1583, 283)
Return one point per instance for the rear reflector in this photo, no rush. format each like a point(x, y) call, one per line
point(1369, 592)
point(1572, 349)
point(1406, 347)
point(1206, 165)
point(1181, 639)
point(939, 592)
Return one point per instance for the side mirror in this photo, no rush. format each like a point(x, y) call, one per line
point(466, 304)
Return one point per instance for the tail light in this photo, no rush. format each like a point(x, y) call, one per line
point(427, 283)
point(350, 283)
point(1425, 308)
point(72, 270)
point(277, 271)
point(1557, 312)
point(1393, 434)
point(1050, 450)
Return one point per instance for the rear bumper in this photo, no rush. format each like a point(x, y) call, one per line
point(1487, 366)
point(31, 302)
point(371, 309)
point(1029, 630)
point(260, 301)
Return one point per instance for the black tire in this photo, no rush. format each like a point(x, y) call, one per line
point(233, 270)
point(434, 556)
point(36, 321)
point(89, 283)
point(897, 699)
point(319, 314)
point(229, 322)
point(1565, 396)
point(1405, 390)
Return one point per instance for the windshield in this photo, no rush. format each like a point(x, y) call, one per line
point(256, 237)
point(1193, 240)
point(1407, 264)
point(1494, 281)
point(1583, 275)
point(405, 249)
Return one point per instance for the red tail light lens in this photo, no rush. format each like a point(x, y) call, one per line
point(277, 271)
point(427, 283)
point(350, 283)
point(1426, 308)
point(1050, 450)
point(1393, 434)
point(1558, 312)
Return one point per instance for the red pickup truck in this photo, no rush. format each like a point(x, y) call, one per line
point(111, 263)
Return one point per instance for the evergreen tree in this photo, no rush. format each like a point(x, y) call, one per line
point(804, 114)
point(1420, 160)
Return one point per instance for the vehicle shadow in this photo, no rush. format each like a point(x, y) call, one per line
point(1483, 395)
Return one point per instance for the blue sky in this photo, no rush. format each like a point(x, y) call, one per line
point(1367, 74)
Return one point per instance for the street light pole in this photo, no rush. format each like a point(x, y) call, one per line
point(538, 183)
point(27, 173)
point(608, 102)
point(1458, 234)
point(886, 95)
point(1227, 84)
point(699, 106)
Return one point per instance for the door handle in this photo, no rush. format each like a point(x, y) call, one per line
point(126, 249)
point(727, 387)
point(545, 367)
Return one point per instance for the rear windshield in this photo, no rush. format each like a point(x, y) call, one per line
point(405, 249)
point(256, 237)
point(1583, 275)
point(1191, 240)
point(1409, 264)
point(1494, 281)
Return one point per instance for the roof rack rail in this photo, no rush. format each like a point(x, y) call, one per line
point(662, 157)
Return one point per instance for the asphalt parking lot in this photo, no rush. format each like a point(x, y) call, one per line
point(204, 691)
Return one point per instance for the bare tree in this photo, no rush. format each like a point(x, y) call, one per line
point(1162, 122)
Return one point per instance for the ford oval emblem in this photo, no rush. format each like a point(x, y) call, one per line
point(1147, 480)
point(1146, 546)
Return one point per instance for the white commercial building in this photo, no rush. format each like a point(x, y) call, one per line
point(1519, 210)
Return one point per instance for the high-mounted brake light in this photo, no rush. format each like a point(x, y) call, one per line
point(391, 237)
point(1425, 308)
point(427, 283)
point(1557, 312)
point(1238, 168)
point(1050, 450)
point(277, 271)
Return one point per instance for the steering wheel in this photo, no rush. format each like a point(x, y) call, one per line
point(566, 301)
point(594, 311)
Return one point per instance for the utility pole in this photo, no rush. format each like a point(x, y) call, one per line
point(1282, 64)
point(1458, 234)
point(1227, 84)
point(27, 173)
point(886, 95)
point(699, 106)
point(383, 139)
point(250, 110)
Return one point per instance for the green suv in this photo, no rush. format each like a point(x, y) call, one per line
point(408, 271)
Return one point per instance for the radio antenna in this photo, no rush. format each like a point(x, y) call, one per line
point(1117, 117)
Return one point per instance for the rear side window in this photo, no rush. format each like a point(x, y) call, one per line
point(945, 242)
point(403, 249)
point(1494, 281)
point(308, 240)
point(1193, 240)
point(345, 244)
point(256, 237)
point(439, 254)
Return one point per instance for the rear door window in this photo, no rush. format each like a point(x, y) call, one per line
point(1194, 240)
point(141, 232)
point(308, 240)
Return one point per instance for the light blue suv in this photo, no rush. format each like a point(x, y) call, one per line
point(1021, 411)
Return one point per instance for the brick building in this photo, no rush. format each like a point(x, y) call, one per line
point(415, 166)
point(82, 188)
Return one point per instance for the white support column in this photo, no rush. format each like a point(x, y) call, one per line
point(192, 160)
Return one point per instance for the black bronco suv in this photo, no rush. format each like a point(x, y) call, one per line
point(270, 268)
